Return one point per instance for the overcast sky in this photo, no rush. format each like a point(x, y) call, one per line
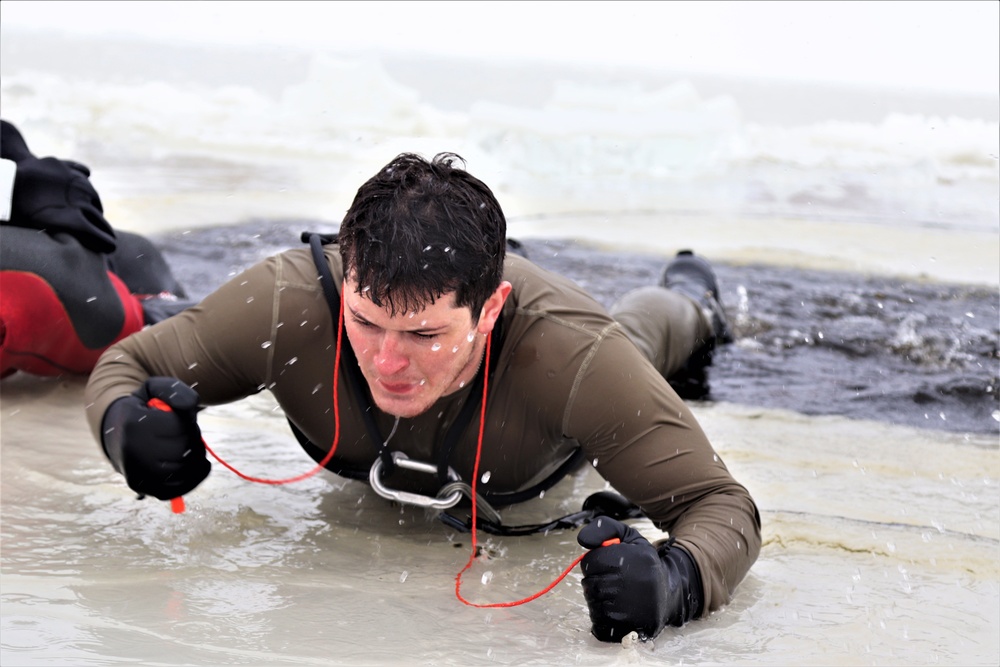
point(945, 46)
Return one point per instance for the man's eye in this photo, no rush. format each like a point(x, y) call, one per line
point(423, 336)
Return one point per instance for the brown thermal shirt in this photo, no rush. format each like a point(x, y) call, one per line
point(567, 377)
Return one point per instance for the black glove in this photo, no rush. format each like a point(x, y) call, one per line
point(159, 452)
point(12, 145)
point(633, 585)
point(55, 195)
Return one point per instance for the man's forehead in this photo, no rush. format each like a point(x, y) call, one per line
point(362, 293)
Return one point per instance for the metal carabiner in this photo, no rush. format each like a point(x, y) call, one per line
point(403, 461)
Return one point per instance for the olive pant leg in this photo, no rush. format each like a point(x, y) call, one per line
point(666, 326)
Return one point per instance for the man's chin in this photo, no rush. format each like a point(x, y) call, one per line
point(398, 406)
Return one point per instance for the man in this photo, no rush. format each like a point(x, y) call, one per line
point(70, 286)
point(423, 290)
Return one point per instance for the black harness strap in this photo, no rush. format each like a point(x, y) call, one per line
point(602, 503)
point(469, 407)
point(351, 369)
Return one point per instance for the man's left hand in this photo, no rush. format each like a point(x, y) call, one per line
point(633, 586)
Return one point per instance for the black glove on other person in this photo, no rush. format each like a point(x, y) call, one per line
point(633, 585)
point(55, 195)
point(160, 453)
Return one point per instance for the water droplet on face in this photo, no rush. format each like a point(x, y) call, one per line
point(486, 477)
point(454, 349)
point(423, 381)
point(266, 344)
point(471, 337)
point(435, 347)
point(461, 384)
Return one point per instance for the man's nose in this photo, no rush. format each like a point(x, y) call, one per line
point(391, 357)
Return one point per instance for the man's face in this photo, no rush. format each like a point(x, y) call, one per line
point(410, 360)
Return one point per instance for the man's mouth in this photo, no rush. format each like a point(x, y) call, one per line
point(398, 388)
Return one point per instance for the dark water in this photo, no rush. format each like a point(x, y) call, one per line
point(816, 342)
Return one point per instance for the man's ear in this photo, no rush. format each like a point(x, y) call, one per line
point(491, 309)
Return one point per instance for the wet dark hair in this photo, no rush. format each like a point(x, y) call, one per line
point(419, 229)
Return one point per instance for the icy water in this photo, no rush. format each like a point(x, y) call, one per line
point(880, 548)
point(881, 541)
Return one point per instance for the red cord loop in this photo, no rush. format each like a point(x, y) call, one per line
point(336, 421)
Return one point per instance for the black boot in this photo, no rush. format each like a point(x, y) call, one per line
point(692, 276)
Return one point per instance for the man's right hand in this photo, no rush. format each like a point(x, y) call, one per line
point(160, 452)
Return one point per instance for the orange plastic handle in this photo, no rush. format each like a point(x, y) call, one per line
point(176, 504)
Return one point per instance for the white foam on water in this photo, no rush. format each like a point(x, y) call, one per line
point(175, 151)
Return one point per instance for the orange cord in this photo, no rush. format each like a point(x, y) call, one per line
point(336, 421)
point(475, 479)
